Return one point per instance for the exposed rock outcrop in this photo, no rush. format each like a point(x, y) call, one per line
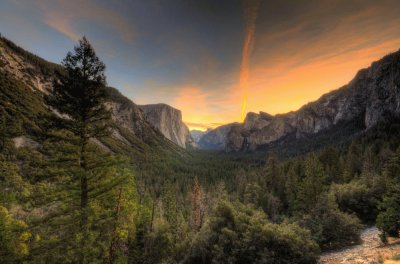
point(24, 142)
point(168, 121)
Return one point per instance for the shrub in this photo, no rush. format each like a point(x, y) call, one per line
point(388, 219)
point(330, 227)
point(244, 235)
point(357, 198)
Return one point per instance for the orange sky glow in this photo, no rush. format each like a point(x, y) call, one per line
point(286, 90)
point(282, 70)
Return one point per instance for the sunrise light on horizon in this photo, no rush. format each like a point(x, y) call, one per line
point(215, 60)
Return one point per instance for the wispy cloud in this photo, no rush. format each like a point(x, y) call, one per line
point(69, 17)
point(250, 16)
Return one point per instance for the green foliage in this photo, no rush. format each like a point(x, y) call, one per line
point(388, 219)
point(20, 108)
point(330, 227)
point(13, 188)
point(243, 235)
point(359, 197)
point(14, 238)
point(313, 184)
point(81, 93)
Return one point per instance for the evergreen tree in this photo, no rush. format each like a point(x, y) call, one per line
point(388, 219)
point(313, 184)
point(197, 206)
point(80, 95)
point(353, 162)
point(274, 178)
point(291, 187)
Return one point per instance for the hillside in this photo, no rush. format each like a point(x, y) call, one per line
point(27, 78)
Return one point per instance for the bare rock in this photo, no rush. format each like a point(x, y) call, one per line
point(25, 142)
point(168, 121)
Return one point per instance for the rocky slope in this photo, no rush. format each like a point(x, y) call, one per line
point(372, 96)
point(168, 121)
point(27, 68)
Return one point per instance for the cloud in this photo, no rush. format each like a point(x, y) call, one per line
point(317, 49)
point(69, 17)
point(306, 82)
point(62, 25)
point(250, 16)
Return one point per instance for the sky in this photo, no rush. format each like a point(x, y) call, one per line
point(215, 60)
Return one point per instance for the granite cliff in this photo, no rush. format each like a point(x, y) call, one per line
point(168, 121)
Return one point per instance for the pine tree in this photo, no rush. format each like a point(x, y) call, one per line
point(274, 177)
point(80, 95)
point(388, 219)
point(291, 187)
point(313, 184)
point(197, 206)
point(353, 162)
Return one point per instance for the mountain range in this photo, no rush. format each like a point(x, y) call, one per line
point(372, 96)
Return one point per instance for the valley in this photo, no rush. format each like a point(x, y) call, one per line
point(88, 176)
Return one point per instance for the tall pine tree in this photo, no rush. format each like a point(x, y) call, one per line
point(80, 95)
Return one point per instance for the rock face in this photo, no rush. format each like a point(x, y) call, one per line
point(215, 139)
point(128, 115)
point(372, 96)
point(168, 121)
